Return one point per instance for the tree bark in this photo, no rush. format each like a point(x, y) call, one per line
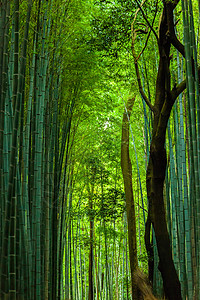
point(164, 101)
point(157, 162)
point(155, 182)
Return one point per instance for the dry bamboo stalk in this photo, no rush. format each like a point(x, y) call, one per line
point(143, 286)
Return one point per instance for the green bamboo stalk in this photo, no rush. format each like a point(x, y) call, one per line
point(187, 211)
point(66, 270)
point(46, 181)
point(70, 260)
point(25, 186)
point(194, 142)
point(24, 287)
point(4, 27)
point(80, 260)
point(167, 191)
point(55, 206)
point(16, 53)
point(183, 278)
point(4, 15)
point(65, 143)
point(124, 242)
point(175, 204)
point(193, 48)
point(8, 109)
point(10, 219)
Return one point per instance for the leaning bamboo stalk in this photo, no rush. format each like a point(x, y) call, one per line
point(130, 206)
point(26, 153)
point(16, 53)
point(175, 203)
point(193, 92)
point(185, 198)
point(46, 204)
point(179, 171)
point(10, 218)
point(8, 121)
point(12, 233)
point(4, 27)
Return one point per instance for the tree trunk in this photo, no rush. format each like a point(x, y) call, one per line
point(164, 100)
point(157, 161)
point(155, 182)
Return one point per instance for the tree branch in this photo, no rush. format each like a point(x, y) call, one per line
point(144, 16)
point(171, 33)
point(147, 35)
point(138, 10)
point(134, 33)
point(177, 90)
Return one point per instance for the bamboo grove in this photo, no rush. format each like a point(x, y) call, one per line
point(34, 150)
point(66, 78)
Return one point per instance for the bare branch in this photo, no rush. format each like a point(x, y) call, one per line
point(144, 45)
point(148, 35)
point(138, 11)
point(139, 79)
point(144, 16)
point(134, 34)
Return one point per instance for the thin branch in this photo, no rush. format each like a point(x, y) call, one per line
point(134, 33)
point(132, 24)
point(144, 16)
point(138, 10)
point(142, 207)
point(144, 45)
point(148, 34)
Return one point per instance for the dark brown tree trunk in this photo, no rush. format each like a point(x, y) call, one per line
point(155, 181)
point(130, 207)
point(164, 101)
point(157, 161)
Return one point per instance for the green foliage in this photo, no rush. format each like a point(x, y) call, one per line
point(111, 206)
point(66, 167)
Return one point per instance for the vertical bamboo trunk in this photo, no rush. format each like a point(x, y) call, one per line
point(81, 264)
point(10, 220)
point(46, 209)
point(117, 273)
point(70, 260)
point(4, 27)
point(55, 209)
point(91, 287)
point(96, 273)
point(4, 38)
